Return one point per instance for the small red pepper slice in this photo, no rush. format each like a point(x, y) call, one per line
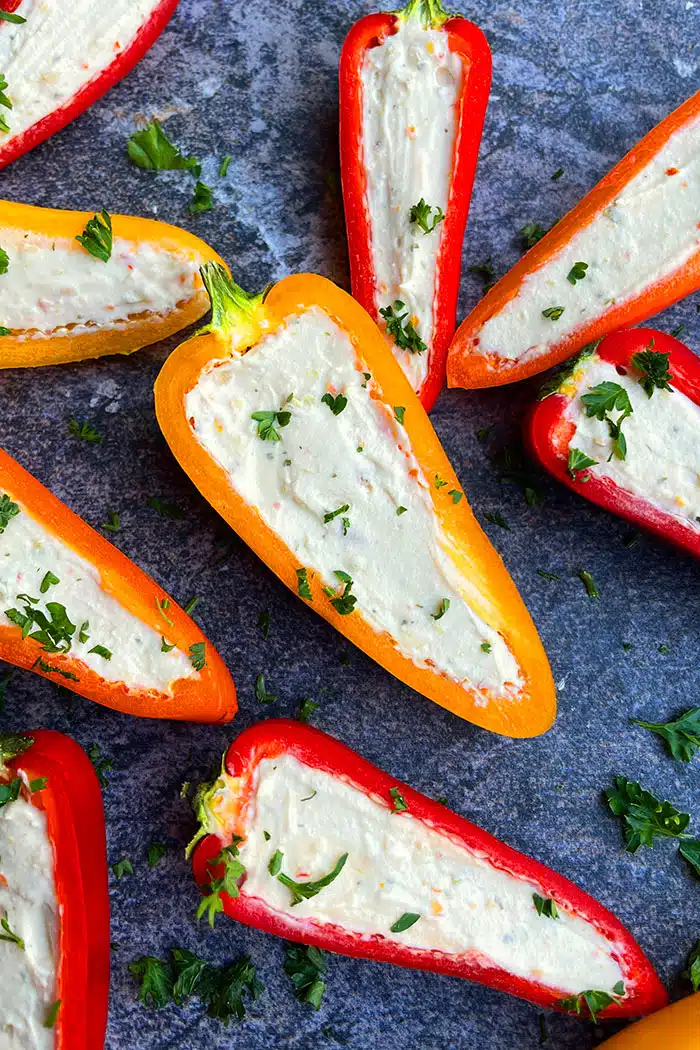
point(551, 429)
point(227, 807)
point(466, 40)
point(72, 802)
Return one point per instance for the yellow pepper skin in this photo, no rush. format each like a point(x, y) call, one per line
point(46, 229)
point(677, 1027)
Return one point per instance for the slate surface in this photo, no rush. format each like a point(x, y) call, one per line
point(575, 85)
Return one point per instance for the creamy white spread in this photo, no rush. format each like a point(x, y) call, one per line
point(54, 284)
point(662, 464)
point(58, 50)
point(398, 864)
point(28, 552)
point(28, 901)
point(646, 233)
point(411, 87)
point(399, 562)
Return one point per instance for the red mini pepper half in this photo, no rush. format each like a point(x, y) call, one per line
point(72, 801)
point(463, 39)
point(647, 484)
point(91, 83)
point(231, 809)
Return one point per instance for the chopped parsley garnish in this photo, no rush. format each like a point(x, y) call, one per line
point(514, 469)
point(305, 890)
point(591, 1002)
point(334, 513)
point(483, 432)
point(4, 261)
point(692, 970)
point(151, 148)
point(192, 603)
point(439, 482)
point(589, 583)
point(420, 214)
point(224, 166)
point(274, 866)
point(4, 682)
point(682, 735)
point(343, 603)
point(643, 815)
point(456, 495)
point(578, 461)
point(156, 852)
point(37, 785)
point(8, 935)
point(485, 647)
point(166, 510)
point(101, 765)
point(113, 524)
point(8, 511)
point(545, 906)
point(547, 575)
point(156, 981)
point(184, 974)
point(52, 1014)
point(261, 694)
point(398, 802)
point(305, 964)
point(401, 328)
point(399, 412)
point(8, 16)
point(678, 331)
point(49, 580)
point(264, 623)
point(96, 238)
point(165, 646)
point(306, 709)
point(486, 272)
point(197, 655)
point(653, 365)
point(690, 851)
point(408, 919)
point(553, 313)
point(557, 174)
point(202, 199)
point(442, 609)
point(4, 101)
point(83, 632)
point(531, 233)
point(577, 272)
point(100, 650)
point(123, 867)
point(303, 588)
point(163, 604)
point(211, 904)
point(267, 422)
point(84, 431)
point(497, 519)
point(336, 404)
point(5, 331)
point(609, 397)
point(55, 634)
point(10, 791)
point(664, 650)
point(400, 511)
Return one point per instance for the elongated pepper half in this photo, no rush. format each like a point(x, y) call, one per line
point(74, 609)
point(414, 86)
point(628, 250)
point(54, 67)
point(61, 302)
point(675, 1028)
point(295, 421)
point(645, 386)
point(337, 854)
point(54, 899)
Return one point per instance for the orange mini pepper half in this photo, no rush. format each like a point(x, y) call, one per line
point(76, 285)
point(80, 613)
point(291, 415)
point(675, 1028)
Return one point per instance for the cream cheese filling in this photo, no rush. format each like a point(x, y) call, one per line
point(55, 53)
point(53, 283)
point(28, 900)
point(398, 864)
point(28, 552)
point(662, 464)
point(388, 540)
point(411, 87)
point(647, 232)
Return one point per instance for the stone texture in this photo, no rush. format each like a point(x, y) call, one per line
point(575, 85)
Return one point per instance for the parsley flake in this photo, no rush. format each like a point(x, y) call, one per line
point(8, 935)
point(305, 964)
point(653, 366)
point(343, 603)
point(123, 867)
point(261, 694)
point(577, 272)
point(531, 233)
point(305, 890)
point(151, 148)
point(334, 513)
point(644, 816)
point(579, 461)
point(84, 431)
point(589, 583)
point(303, 588)
point(336, 404)
point(398, 802)
point(401, 328)
point(545, 906)
point(113, 524)
point(399, 412)
point(591, 1002)
point(553, 313)
point(96, 238)
point(442, 609)
point(8, 511)
point(202, 199)
point(408, 919)
point(682, 736)
point(420, 215)
point(197, 655)
point(306, 709)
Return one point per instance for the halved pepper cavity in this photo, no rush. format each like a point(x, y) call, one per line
point(78, 612)
point(291, 415)
point(414, 86)
point(621, 426)
point(333, 852)
point(52, 773)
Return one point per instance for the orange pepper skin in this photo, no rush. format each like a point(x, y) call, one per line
point(675, 1028)
point(137, 332)
point(492, 592)
point(210, 697)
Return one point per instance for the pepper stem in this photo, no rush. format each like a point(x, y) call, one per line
point(431, 12)
point(229, 302)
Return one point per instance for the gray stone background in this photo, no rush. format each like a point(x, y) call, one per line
point(575, 85)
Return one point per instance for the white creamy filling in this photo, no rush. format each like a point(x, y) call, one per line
point(52, 283)
point(28, 900)
point(411, 87)
point(28, 552)
point(49, 58)
point(397, 864)
point(361, 457)
point(662, 464)
point(645, 234)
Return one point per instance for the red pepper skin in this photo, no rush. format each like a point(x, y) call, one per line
point(465, 39)
point(274, 737)
point(72, 801)
point(548, 433)
point(149, 32)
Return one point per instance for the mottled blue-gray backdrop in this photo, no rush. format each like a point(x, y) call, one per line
point(575, 85)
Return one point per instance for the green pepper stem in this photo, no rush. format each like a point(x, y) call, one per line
point(228, 300)
point(431, 12)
